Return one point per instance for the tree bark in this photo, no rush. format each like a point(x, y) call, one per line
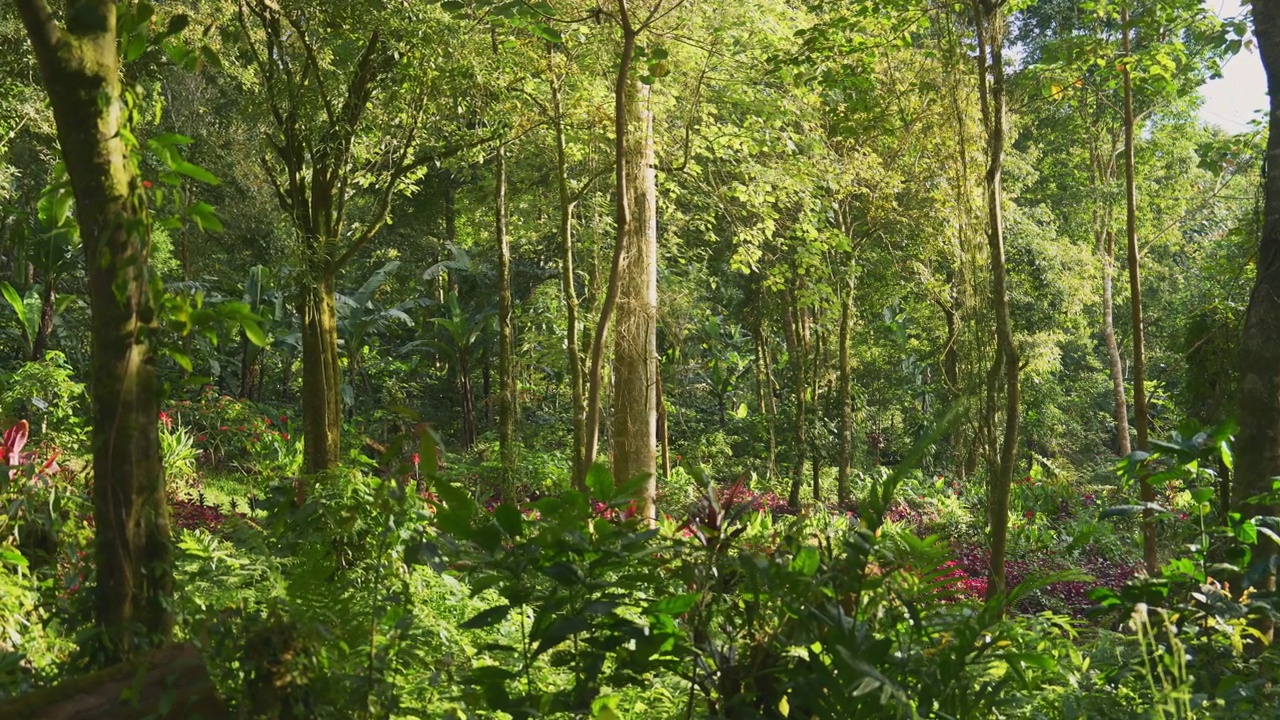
point(170, 684)
point(321, 376)
point(573, 350)
point(1140, 420)
point(991, 25)
point(792, 330)
point(1120, 407)
point(507, 412)
point(846, 402)
point(635, 341)
point(81, 74)
point(250, 368)
point(765, 387)
point(467, 398)
point(1258, 441)
point(48, 308)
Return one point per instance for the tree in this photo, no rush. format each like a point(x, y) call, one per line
point(990, 25)
point(1258, 442)
point(1141, 419)
point(635, 353)
point(322, 104)
point(80, 69)
point(507, 410)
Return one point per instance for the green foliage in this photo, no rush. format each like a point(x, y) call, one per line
point(179, 457)
point(46, 394)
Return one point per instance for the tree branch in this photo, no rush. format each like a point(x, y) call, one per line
point(310, 52)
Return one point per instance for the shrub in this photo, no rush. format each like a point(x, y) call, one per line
point(47, 395)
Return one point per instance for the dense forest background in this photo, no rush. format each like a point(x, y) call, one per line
point(643, 358)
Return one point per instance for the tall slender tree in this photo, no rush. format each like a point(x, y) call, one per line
point(507, 417)
point(80, 69)
point(1258, 442)
point(1141, 421)
point(991, 24)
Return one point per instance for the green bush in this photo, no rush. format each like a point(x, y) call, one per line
point(47, 395)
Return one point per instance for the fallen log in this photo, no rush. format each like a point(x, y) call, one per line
point(171, 683)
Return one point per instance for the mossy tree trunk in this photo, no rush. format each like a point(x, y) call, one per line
point(846, 400)
point(321, 374)
point(507, 410)
point(48, 310)
point(991, 24)
point(81, 73)
point(1258, 441)
point(573, 346)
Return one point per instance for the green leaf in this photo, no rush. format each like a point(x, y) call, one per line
point(177, 24)
point(561, 630)
point(253, 331)
point(195, 172)
point(806, 561)
point(15, 302)
point(135, 46)
point(600, 481)
point(487, 618)
point(509, 519)
point(1044, 662)
point(11, 556)
point(169, 140)
point(674, 605)
point(546, 32)
point(205, 217)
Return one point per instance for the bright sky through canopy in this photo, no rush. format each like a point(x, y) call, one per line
point(1233, 100)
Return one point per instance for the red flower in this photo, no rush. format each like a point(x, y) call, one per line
point(416, 459)
point(1030, 514)
point(224, 428)
point(284, 419)
point(200, 439)
point(268, 420)
point(284, 436)
point(240, 429)
point(146, 184)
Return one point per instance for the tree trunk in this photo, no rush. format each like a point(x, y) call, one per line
point(621, 95)
point(1140, 420)
point(664, 438)
point(1120, 408)
point(573, 351)
point(506, 335)
point(466, 396)
point(815, 452)
point(795, 358)
point(321, 376)
point(250, 368)
point(846, 403)
point(635, 342)
point(769, 404)
point(80, 71)
point(171, 684)
point(1258, 441)
point(991, 25)
point(48, 308)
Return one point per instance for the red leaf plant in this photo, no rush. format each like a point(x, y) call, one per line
point(15, 438)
